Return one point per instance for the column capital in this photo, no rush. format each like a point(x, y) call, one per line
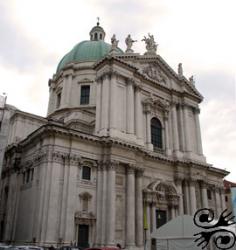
point(197, 110)
point(192, 182)
point(130, 81)
point(130, 170)
point(166, 115)
point(178, 181)
point(108, 165)
point(203, 183)
point(139, 172)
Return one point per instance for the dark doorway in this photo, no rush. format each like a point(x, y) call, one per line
point(161, 218)
point(83, 237)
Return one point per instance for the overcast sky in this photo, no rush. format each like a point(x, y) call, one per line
point(35, 35)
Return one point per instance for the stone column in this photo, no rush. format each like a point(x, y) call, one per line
point(51, 103)
point(71, 198)
point(104, 204)
point(218, 201)
point(130, 212)
point(69, 89)
point(148, 129)
point(167, 142)
point(138, 114)
point(63, 201)
point(222, 196)
point(192, 197)
point(99, 206)
point(111, 204)
point(154, 226)
point(139, 208)
point(105, 103)
point(198, 132)
point(175, 128)
point(64, 93)
point(130, 108)
point(204, 195)
point(186, 127)
point(148, 233)
point(182, 140)
point(98, 106)
point(180, 193)
point(113, 102)
point(186, 198)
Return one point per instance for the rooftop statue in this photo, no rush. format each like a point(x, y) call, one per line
point(180, 69)
point(151, 45)
point(129, 43)
point(114, 42)
point(191, 79)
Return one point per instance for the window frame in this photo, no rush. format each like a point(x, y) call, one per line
point(85, 96)
point(209, 194)
point(156, 133)
point(84, 174)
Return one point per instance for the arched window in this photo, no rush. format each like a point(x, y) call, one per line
point(156, 133)
point(96, 37)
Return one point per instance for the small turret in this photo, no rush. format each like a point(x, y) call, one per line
point(97, 33)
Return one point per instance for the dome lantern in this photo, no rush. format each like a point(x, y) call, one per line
point(97, 33)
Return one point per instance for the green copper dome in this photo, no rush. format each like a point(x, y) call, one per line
point(86, 51)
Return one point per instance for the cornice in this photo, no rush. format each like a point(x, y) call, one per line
point(53, 129)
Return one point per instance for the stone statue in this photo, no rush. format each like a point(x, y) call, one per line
point(191, 79)
point(180, 69)
point(114, 42)
point(129, 42)
point(151, 45)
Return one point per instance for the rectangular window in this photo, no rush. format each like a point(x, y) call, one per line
point(84, 95)
point(86, 173)
point(209, 194)
point(58, 100)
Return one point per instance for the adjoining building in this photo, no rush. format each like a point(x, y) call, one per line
point(230, 196)
point(121, 141)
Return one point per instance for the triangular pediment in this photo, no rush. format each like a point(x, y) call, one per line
point(156, 69)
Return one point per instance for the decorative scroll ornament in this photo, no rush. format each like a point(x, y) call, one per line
point(154, 73)
point(151, 45)
point(215, 229)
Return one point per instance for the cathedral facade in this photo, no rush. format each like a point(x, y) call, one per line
point(118, 155)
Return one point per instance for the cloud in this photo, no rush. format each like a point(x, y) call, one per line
point(218, 123)
point(217, 85)
point(17, 49)
point(218, 118)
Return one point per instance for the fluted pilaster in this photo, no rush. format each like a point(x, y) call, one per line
point(130, 107)
point(111, 203)
point(130, 212)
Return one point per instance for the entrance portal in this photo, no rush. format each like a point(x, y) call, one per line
point(161, 218)
point(83, 236)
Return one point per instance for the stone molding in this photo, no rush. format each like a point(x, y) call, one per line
point(153, 72)
point(107, 165)
point(153, 103)
point(85, 195)
point(87, 162)
point(131, 170)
